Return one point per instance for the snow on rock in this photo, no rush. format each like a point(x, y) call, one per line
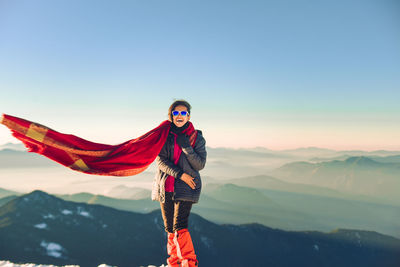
point(66, 212)
point(52, 249)
point(41, 226)
point(206, 241)
point(84, 213)
point(49, 216)
point(10, 264)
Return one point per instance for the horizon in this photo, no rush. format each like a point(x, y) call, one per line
point(266, 148)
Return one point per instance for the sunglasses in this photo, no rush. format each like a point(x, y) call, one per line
point(183, 113)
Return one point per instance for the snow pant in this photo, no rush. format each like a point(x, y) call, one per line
point(175, 213)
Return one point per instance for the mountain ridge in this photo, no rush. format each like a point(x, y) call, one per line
point(137, 239)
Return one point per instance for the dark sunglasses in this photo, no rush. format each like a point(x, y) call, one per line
point(176, 113)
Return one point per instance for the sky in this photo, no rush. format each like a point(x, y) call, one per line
point(275, 74)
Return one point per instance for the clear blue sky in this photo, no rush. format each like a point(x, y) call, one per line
point(278, 74)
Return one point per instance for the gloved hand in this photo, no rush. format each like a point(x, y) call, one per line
point(183, 140)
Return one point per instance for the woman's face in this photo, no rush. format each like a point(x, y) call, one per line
point(180, 120)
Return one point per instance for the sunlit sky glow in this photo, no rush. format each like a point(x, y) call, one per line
point(277, 74)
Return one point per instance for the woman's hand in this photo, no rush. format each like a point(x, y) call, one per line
point(188, 180)
point(183, 140)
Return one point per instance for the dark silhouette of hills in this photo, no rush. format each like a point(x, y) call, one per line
point(253, 202)
point(41, 228)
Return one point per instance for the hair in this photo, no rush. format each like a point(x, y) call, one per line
point(176, 103)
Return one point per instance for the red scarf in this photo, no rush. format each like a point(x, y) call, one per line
point(129, 158)
point(170, 181)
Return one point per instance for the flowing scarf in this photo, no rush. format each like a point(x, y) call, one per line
point(170, 181)
point(129, 158)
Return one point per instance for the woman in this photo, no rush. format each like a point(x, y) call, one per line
point(179, 151)
point(177, 184)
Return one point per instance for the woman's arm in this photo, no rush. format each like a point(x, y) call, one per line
point(197, 155)
point(167, 165)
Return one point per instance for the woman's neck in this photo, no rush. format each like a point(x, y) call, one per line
point(176, 129)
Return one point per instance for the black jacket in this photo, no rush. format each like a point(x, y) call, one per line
point(191, 161)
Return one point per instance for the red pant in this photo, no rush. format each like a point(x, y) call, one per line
point(181, 250)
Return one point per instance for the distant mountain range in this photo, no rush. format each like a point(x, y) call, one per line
point(231, 203)
point(10, 158)
point(18, 147)
point(41, 228)
point(126, 192)
point(137, 205)
point(383, 159)
point(356, 192)
point(221, 162)
point(357, 175)
point(6, 193)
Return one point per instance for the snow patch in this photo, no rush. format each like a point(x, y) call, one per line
point(10, 264)
point(52, 249)
point(41, 226)
point(66, 212)
point(49, 216)
point(83, 213)
point(357, 235)
point(358, 239)
point(206, 241)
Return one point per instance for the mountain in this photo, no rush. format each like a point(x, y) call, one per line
point(340, 157)
point(309, 151)
point(238, 195)
point(381, 153)
point(272, 183)
point(10, 158)
point(222, 163)
point(228, 162)
point(6, 193)
point(295, 211)
point(282, 205)
point(383, 159)
point(136, 205)
point(18, 147)
point(127, 192)
point(5, 200)
point(228, 203)
point(41, 228)
point(10, 264)
point(388, 159)
point(356, 175)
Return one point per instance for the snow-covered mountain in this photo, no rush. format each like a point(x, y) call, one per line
point(10, 264)
point(41, 228)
